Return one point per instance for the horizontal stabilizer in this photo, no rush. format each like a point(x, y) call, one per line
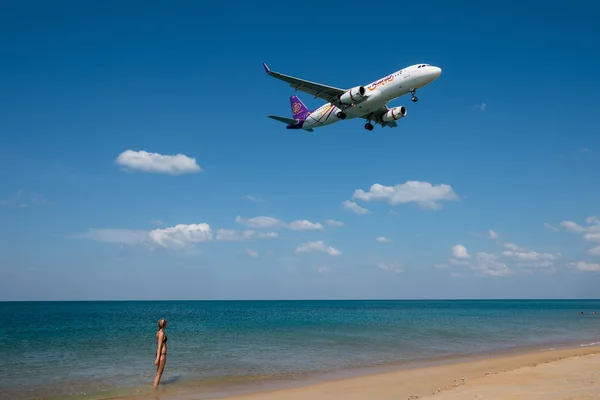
point(285, 120)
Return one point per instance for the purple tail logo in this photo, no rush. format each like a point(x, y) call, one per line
point(299, 110)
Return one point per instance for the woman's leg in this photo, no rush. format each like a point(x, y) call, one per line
point(159, 369)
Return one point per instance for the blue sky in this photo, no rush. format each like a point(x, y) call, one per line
point(505, 140)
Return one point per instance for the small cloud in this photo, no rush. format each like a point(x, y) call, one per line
point(252, 253)
point(180, 236)
point(264, 222)
point(252, 198)
point(572, 226)
point(355, 208)
point(304, 225)
point(323, 269)
point(460, 251)
point(493, 234)
point(318, 246)
point(157, 163)
point(231, 235)
point(390, 267)
point(481, 107)
point(550, 227)
point(157, 222)
point(332, 222)
point(383, 239)
point(428, 196)
point(585, 266)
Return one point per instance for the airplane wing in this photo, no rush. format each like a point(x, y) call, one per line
point(327, 93)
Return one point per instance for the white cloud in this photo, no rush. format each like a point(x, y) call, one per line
point(355, 208)
point(460, 251)
point(231, 235)
point(425, 194)
point(317, 246)
point(178, 236)
point(332, 222)
point(531, 258)
point(157, 222)
point(493, 234)
point(181, 235)
point(390, 267)
point(304, 225)
point(585, 266)
point(252, 198)
point(572, 226)
point(552, 228)
point(503, 263)
point(591, 232)
point(383, 239)
point(324, 269)
point(274, 223)
point(512, 246)
point(483, 263)
point(481, 107)
point(595, 251)
point(158, 163)
point(252, 253)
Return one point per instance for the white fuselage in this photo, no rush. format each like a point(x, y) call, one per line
point(379, 94)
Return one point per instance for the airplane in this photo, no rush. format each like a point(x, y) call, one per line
point(368, 102)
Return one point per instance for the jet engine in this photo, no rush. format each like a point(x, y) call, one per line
point(354, 95)
point(394, 114)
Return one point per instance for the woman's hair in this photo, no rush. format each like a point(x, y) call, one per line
point(162, 323)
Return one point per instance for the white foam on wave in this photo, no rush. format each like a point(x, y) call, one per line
point(589, 344)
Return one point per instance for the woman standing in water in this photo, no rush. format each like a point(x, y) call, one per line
point(161, 352)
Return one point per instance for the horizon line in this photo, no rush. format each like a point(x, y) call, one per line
point(295, 299)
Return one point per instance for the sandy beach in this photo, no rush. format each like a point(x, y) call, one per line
point(550, 375)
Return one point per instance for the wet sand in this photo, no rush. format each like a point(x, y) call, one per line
point(550, 375)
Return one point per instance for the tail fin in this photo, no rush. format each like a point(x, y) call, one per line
point(299, 110)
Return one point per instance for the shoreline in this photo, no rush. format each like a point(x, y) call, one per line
point(413, 382)
point(416, 378)
point(395, 381)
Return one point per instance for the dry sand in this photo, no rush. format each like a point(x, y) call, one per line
point(550, 375)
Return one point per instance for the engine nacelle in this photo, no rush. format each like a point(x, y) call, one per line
point(354, 95)
point(394, 114)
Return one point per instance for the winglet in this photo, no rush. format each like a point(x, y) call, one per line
point(267, 70)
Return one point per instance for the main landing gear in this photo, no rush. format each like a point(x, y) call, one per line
point(369, 126)
point(341, 115)
point(414, 98)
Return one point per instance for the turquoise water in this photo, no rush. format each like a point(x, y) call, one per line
point(66, 349)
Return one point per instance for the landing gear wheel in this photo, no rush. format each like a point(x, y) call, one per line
point(369, 126)
point(341, 115)
point(414, 98)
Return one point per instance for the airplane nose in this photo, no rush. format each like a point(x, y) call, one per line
point(437, 71)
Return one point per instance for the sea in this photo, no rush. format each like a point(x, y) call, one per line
point(106, 349)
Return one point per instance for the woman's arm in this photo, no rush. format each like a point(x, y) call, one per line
point(160, 344)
